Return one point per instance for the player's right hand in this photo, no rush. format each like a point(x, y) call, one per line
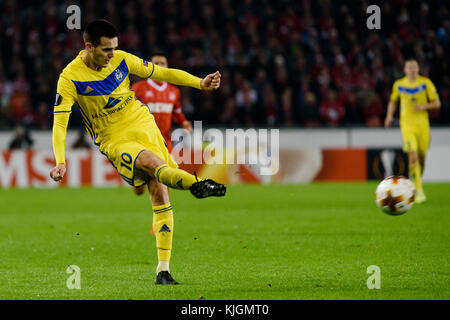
point(388, 121)
point(58, 172)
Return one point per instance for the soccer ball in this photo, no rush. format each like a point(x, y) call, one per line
point(395, 195)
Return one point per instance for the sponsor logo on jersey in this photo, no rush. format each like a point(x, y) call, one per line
point(111, 103)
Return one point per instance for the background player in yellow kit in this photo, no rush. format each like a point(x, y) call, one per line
point(124, 128)
point(417, 95)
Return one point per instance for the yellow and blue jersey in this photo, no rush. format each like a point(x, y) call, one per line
point(105, 99)
point(421, 91)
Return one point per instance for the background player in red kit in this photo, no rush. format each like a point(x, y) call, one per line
point(164, 102)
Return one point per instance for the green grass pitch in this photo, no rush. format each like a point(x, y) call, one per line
point(259, 242)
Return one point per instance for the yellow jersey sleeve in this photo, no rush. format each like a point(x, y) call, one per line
point(176, 77)
point(145, 69)
point(138, 66)
point(395, 94)
point(431, 91)
point(66, 95)
point(65, 98)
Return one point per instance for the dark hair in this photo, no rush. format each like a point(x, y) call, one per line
point(158, 54)
point(97, 29)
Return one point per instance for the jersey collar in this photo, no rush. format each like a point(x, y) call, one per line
point(158, 87)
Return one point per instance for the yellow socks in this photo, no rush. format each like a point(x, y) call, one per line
point(163, 214)
point(415, 174)
point(163, 228)
point(174, 178)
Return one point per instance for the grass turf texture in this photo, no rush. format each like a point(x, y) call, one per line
point(259, 242)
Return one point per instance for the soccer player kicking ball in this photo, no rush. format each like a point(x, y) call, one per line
point(417, 95)
point(123, 127)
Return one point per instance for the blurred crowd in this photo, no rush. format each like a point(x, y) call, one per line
point(297, 63)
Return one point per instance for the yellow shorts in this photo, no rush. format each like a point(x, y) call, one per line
point(123, 150)
point(416, 139)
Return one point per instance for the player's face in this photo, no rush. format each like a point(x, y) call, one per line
point(160, 61)
point(411, 69)
point(104, 52)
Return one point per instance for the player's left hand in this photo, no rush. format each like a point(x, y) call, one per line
point(211, 81)
point(420, 107)
point(187, 125)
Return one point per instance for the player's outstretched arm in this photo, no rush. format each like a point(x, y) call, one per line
point(390, 114)
point(183, 78)
point(179, 77)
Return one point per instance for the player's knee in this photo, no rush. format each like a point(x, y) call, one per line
point(148, 162)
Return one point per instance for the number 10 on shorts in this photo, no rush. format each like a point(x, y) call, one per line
point(126, 160)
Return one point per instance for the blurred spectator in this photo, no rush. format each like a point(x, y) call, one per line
point(373, 111)
point(353, 112)
point(332, 110)
point(21, 139)
point(43, 116)
point(286, 105)
point(228, 116)
point(270, 104)
point(310, 113)
point(279, 61)
point(246, 98)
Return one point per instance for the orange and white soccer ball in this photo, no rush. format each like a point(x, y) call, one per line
point(395, 195)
